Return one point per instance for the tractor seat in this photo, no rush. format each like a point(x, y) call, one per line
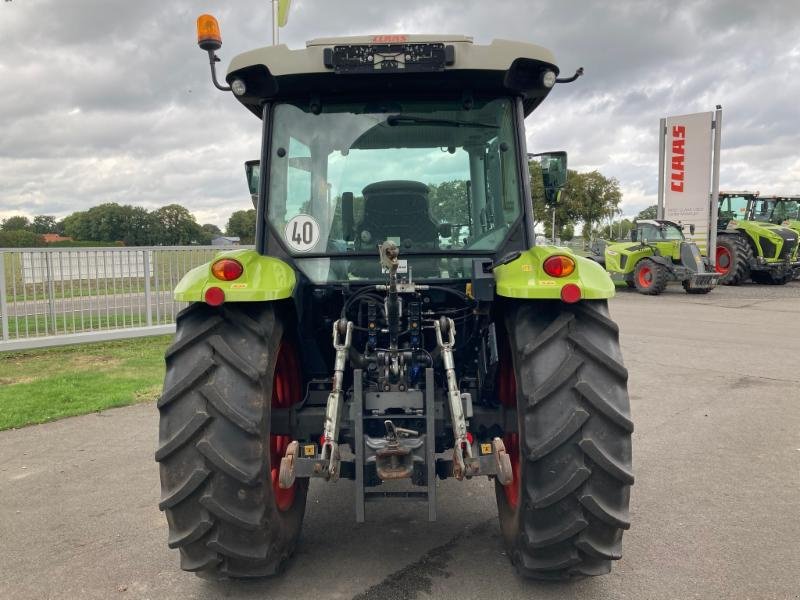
point(400, 210)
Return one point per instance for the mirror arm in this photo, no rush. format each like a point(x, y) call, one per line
point(577, 74)
point(213, 59)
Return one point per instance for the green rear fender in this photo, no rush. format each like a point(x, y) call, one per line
point(525, 278)
point(264, 278)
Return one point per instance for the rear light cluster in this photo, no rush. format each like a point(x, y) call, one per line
point(227, 269)
point(224, 269)
point(559, 266)
point(563, 266)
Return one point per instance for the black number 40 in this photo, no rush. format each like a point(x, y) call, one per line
point(303, 234)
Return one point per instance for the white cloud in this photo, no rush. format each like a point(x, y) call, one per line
point(111, 101)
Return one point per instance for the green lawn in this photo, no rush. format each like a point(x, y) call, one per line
point(43, 385)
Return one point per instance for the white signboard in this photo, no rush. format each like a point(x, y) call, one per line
point(688, 174)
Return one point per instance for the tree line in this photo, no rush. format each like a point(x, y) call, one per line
point(587, 198)
point(112, 223)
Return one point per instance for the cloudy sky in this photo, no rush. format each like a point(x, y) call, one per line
point(110, 100)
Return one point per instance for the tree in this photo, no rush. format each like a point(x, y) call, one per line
point(19, 238)
point(566, 232)
point(211, 229)
point(142, 228)
point(16, 223)
point(44, 224)
point(76, 226)
point(242, 224)
point(618, 230)
point(651, 212)
point(449, 203)
point(178, 226)
point(595, 197)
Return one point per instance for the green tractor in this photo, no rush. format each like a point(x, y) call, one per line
point(751, 247)
point(656, 254)
point(779, 210)
point(379, 335)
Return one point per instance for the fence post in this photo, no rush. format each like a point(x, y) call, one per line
point(148, 300)
point(51, 292)
point(3, 303)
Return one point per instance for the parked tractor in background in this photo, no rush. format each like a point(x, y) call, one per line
point(763, 251)
point(656, 254)
point(353, 343)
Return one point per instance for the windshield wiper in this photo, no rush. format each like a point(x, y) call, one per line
point(394, 120)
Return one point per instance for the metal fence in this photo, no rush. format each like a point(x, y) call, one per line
point(55, 296)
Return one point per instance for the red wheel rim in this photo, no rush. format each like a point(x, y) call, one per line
point(507, 392)
point(645, 277)
point(286, 390)
point(723, 263)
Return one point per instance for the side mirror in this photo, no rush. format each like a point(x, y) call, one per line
point(634, 235)
point(691, 228)
point(445, 230)
point(252, 169)
point(554, 173)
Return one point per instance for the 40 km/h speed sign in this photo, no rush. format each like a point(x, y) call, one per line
point(301, 233)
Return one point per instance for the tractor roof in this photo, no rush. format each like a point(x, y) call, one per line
point(754, 194)
point(338, 68)
point(656, 222)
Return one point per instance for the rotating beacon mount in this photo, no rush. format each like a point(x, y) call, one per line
point(402, 452)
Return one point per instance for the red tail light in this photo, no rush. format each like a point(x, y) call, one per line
point(570, 293)
point(559, 266)
point(227, 269)
point(214, 296)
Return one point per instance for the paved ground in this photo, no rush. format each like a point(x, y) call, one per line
point(714, 509)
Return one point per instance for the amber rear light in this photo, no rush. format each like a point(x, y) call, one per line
point(227, 269)
point(559, 266)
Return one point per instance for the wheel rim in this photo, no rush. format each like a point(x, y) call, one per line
point(645, 277)
point(507, 391)
point(286, 389)
point(723, 262)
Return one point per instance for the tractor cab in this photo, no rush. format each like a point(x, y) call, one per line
point(652, 231)
point(780, 210)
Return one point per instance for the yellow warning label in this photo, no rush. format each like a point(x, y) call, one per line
point(309, 450)
point(486, 448)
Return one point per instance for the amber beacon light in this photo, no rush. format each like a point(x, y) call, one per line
point(208, 35)
point(210, 39)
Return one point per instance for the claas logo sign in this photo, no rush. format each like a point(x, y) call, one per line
point(678, 156)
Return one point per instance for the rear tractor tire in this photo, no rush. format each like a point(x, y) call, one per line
point(649, 277)
point(733, 259)
point(226, 369)
point(564, 512)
